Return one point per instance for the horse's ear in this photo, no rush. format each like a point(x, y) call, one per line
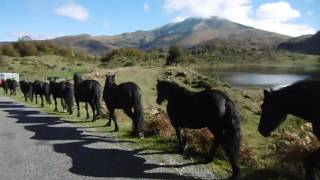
point(266, 92)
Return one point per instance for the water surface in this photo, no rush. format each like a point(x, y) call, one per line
point(254, 76)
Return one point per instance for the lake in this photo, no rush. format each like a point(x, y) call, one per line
point(264, 76)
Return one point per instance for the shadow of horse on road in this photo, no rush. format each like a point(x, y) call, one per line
point(89, 154)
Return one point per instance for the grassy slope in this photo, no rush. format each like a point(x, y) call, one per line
point(248, 101)
point(41, 67)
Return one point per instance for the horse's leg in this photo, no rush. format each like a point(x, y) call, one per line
point(62, 104)
point(41, 100)
point(180, 146)
point(78, 108)
point(129, 113)
point(114, 118)
point(229, 145)
point(93, 108)
point(55, 104)
point(215, 145)
point(314, 158)
point(97, 106)
point(88, 116)
point(36, 98)
point(109, 109)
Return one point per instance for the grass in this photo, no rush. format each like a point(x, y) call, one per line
point(41, 67)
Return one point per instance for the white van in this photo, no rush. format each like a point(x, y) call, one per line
point(5, 76)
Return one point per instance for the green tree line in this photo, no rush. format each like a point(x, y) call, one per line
point(32, 48)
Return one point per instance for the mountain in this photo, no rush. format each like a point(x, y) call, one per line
point(188, 33)
point(308, 44)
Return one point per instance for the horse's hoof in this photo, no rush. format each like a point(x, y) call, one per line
point(116, 130)
point(207, 160)
point(78, 115)
point(140, 135)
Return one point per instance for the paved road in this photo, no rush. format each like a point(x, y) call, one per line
point(35, 145)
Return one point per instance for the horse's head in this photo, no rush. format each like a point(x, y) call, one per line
point(110, 79)
point(77, 78)
point(161, 92)
point(272, 114)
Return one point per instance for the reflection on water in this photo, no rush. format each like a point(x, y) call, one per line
point(263, 76)
point(260, 80)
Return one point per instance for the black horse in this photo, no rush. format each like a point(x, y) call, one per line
point(126, 96)
point(300, 99)
point(5, 86)
point(42, 89)
point(26, 88)
point(64, 91)
point(88, 91)
point(208, 108)
point(12, 86)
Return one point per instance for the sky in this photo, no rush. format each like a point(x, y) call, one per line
point(46, 19)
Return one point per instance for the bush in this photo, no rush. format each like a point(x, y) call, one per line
point(66, 52)
point(26, 48)
point(45, 46)
point(175, 55)
point(123, 52)
point(9, 50)
point(292, 146)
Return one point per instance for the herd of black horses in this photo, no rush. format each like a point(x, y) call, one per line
point(209, 108)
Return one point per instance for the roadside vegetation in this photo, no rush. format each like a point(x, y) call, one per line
point(278, 157)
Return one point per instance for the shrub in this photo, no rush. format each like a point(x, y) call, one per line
point(292, 146)
point(9, 50)
point(66, 52)
point(175, 55)
point(123, 52)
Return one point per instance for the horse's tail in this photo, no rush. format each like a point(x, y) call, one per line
point(97, 97)
point(138, 111)
point(68, 97)
point(233, 118)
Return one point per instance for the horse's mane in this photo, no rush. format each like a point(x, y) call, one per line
point(296, 88)
point(299, 85)
point(176, 87)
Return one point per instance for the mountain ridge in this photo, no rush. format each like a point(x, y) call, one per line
point(188, 33)
point(307, 44)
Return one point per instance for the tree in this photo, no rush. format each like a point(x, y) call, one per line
point(9, 50)
point(175, 55)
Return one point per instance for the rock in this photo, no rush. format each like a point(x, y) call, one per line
point(181, 74)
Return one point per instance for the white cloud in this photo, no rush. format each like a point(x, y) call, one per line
point(277, 12)
point(146, 7)
point(36, 36)
point(273, 17)
point(73, 11)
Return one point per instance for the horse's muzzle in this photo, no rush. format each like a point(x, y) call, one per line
point(159, 101)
